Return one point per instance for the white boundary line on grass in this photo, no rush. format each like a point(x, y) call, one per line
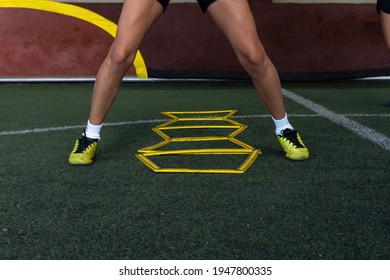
point(318, 114)
point(361, 130)
point(59, 128)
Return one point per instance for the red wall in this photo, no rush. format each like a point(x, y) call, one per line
point(302, 40)
point(42, 44)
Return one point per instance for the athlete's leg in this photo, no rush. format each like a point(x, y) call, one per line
point(135, 21)
point(385, 20)
point(235, 19)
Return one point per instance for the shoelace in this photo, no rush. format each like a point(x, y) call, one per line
point(291, 136)
point(84, 142)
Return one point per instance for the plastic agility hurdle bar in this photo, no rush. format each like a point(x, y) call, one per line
point(145, 154)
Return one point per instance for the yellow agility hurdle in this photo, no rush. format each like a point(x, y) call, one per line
point(222, 116)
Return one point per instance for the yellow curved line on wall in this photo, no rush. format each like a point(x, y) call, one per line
point(80, 13)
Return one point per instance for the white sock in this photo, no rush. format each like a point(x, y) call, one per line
point(281, 125)
point(93, 131)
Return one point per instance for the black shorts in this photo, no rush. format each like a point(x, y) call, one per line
point(204, 4)
point(383, 5)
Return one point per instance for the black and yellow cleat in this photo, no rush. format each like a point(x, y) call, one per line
point(84, 151)
point(292, 144)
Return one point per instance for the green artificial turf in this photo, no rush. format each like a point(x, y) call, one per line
point(333, 206)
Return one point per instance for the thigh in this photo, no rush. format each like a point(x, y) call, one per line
point(385, 20)
point(135, 20)
point(236, 21)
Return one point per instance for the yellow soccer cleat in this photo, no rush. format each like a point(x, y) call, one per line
point(84, 151)
point(292, 144)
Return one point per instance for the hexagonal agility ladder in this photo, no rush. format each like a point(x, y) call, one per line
point(222, 116)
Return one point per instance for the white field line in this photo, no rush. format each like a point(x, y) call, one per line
point(69, 127)
point(59, 128)
point(361, 130)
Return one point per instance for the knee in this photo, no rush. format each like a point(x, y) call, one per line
point(255, 61)
point(120, 57)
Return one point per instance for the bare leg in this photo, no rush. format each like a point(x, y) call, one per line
point(385, 20)
point(235, 19)
point(135, 21)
